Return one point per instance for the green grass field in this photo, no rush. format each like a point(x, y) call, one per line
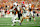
point(6, 22)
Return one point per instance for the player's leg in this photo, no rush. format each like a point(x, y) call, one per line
point(33, 17)
point(31, 14)
point(27, 15)
point(15, 20)
point(3, 15)
point(18, 15)
point(24, 15)
point(27, 18)
point(13, 23)
point(22, 19)
point(12, 18)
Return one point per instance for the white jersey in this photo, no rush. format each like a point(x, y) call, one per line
point(26, 5)
point(18, 8)
point(30, 5)
point(3, 12)
point(30, 13)
point(24, 13)
point(15, 4)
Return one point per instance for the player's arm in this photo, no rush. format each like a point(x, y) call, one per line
point(13, 8)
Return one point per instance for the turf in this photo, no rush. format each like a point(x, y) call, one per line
point(6, 22)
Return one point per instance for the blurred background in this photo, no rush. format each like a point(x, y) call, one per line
point(8, 4)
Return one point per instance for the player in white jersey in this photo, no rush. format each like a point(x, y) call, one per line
point(27, 7)
point(15, 16)
point(3, 12)
point(30, 9)
point(24, 13)
point(31, 12)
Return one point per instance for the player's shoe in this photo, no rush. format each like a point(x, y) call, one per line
point(20, 24)
point(13, 25)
